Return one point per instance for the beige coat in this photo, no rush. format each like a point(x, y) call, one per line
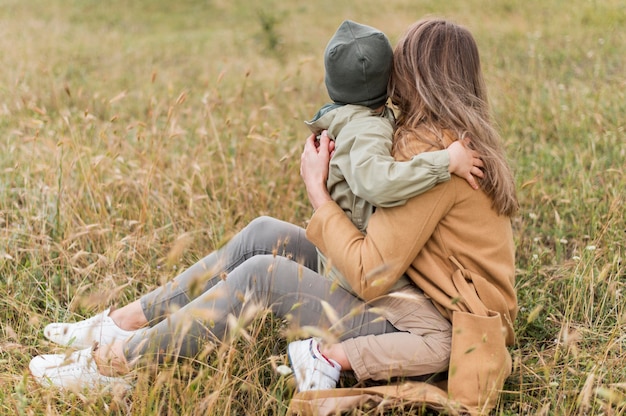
point(447, 238)
point(418, 238)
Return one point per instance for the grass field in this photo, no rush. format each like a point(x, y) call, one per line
point(136, 137)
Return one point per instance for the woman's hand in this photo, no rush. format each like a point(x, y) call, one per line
point(314, 168)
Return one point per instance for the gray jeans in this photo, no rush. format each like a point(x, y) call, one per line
point(269, 264)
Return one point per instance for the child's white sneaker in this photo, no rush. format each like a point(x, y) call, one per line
point(77, 370)
point(311, 369)
point(83, 334)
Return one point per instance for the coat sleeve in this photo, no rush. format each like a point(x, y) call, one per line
point(374, 175)
point(372, 263)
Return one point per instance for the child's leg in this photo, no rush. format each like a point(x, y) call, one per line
point(420, 347)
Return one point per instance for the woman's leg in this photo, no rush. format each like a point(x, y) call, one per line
point(417, 343)
point(290, 290)
point(264, 235)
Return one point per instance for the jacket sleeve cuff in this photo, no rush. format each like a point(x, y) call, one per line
point(440, 162)
point(315, 228)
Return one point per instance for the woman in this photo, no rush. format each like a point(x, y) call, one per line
point(437, 86)
point(441, 98)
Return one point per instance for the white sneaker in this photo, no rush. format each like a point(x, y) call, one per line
point(83, 334)
point(311, 369)
point(74, 371)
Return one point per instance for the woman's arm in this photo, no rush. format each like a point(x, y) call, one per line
point(371, 263)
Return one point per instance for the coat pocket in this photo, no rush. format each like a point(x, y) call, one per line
point(479, 360)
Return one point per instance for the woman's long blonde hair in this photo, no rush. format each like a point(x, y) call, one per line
point(437, 83)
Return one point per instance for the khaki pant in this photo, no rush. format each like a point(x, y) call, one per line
point(271, 264)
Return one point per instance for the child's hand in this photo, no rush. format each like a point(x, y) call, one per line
point(465, 163)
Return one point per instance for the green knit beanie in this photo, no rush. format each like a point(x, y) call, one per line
point(358, 63)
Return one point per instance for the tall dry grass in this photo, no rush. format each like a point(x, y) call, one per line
point(138, 136)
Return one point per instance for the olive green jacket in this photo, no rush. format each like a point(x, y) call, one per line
point(364, 175)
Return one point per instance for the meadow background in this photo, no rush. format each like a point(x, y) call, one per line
point(137, 136)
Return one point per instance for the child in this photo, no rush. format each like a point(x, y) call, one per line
point(363, 174)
